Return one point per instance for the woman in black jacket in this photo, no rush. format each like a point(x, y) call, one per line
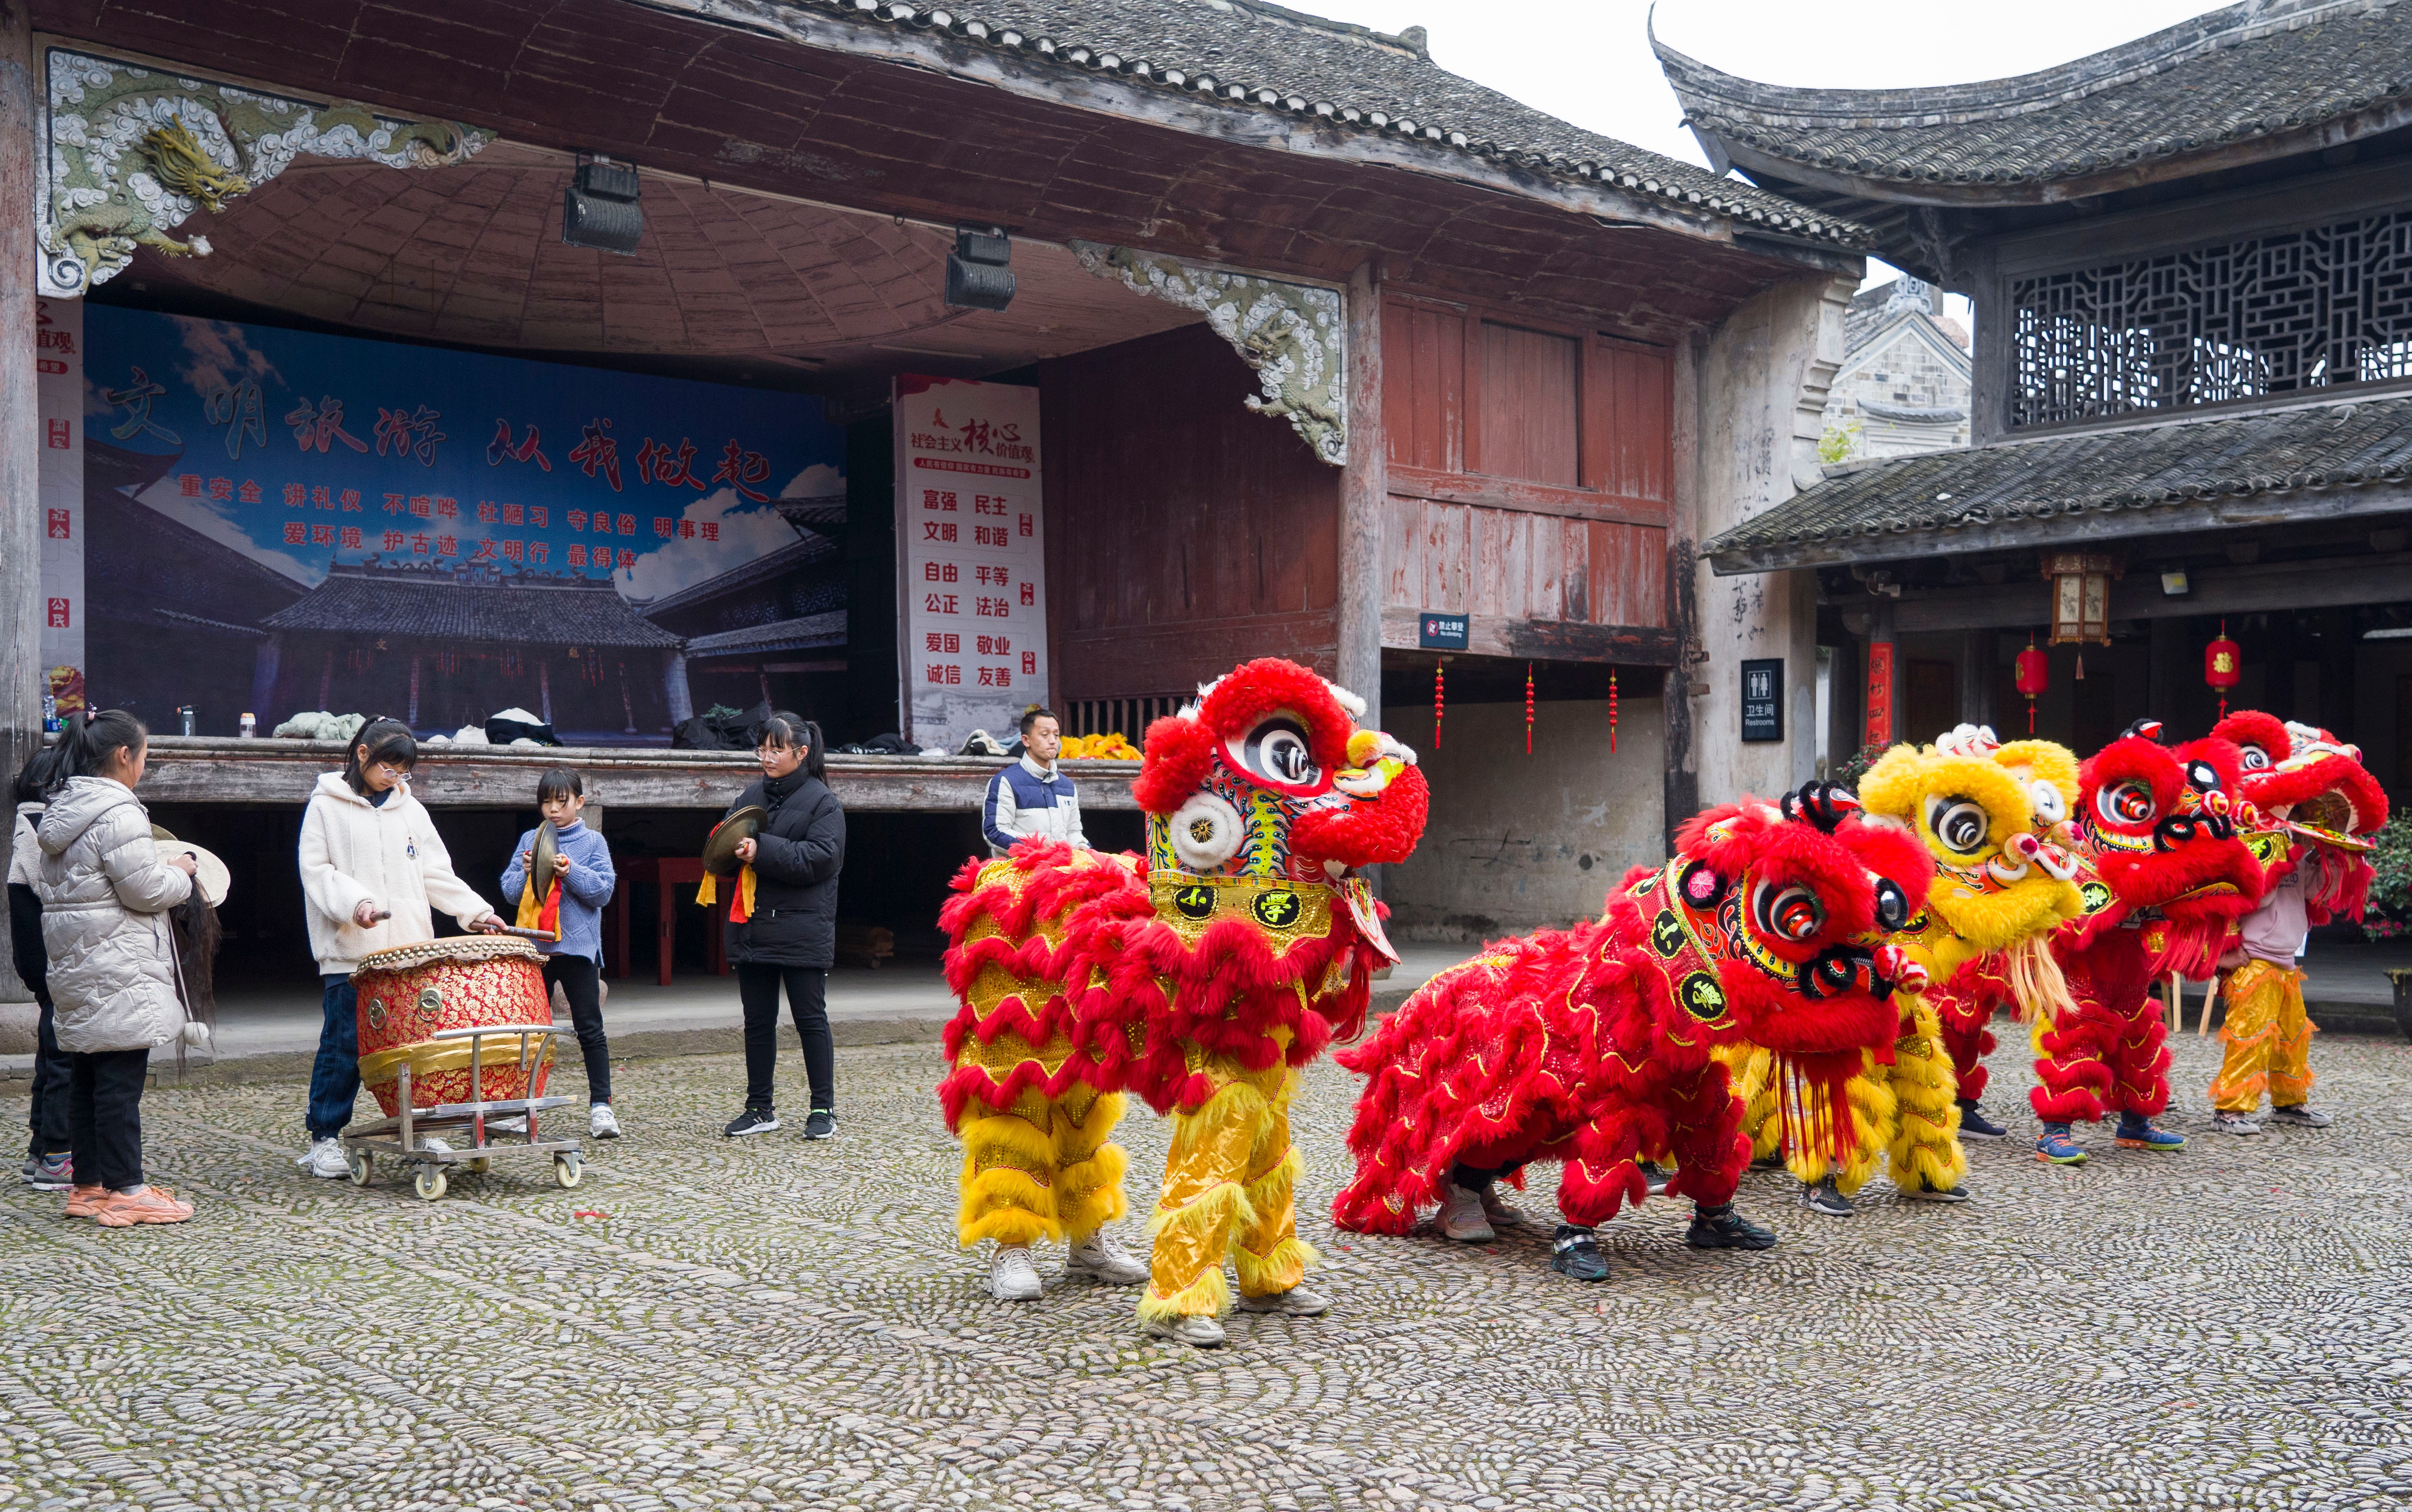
point(790, 939)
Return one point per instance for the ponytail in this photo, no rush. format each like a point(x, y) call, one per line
point(39, 774)
point(86, 744)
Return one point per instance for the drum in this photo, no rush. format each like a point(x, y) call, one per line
point(410, 991)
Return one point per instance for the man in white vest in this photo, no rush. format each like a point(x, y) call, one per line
point(1030, 797)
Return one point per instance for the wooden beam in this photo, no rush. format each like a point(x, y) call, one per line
point(1527, 498)
point(1364, 486)
point(282, 773)
point(2158, 523)
point(1680, 784)
point(22, 673)
point(2264, 587)
point(1549, 640)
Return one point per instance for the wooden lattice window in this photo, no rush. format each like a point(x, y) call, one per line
point(2264, 314)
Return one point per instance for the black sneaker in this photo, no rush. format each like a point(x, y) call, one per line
point(1575, 1253)
point(1654, 1177)
point(1767, 1163)
point(1974, 1125)
point(753, 1121)
point(821, 1123)
point(1722, 1228)
point(1826, 1197)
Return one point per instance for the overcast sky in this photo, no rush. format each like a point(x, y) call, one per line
point(1589, 61)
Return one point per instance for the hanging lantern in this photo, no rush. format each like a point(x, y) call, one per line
point(1437, 703)
point(2081, 596)
point(1612, 710)
point(2223, 666)
point(1528, 708)
point(2033, 672)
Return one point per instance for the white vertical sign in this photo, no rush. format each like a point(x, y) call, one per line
point(971, 558)
point(58, 364)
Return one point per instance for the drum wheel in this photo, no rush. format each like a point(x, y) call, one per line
point(568, 1169)
point(429, 1184)
point(364, 1167)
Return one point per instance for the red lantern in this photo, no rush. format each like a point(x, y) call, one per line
point(2034, 675)
point(2223, 666)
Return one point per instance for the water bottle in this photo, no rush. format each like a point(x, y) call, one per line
point(50, 712)
point(185, 721)
point(249, 725)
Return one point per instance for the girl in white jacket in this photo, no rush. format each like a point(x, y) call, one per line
point(372, 864)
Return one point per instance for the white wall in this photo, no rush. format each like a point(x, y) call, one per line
point(1518, 843)
point(1763, 382)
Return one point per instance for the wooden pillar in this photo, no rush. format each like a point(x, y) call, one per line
point(2337, 672)
point(326, 667)
point(629, 708)
point(411, 718)
point(2165, 690)
point(1976, 677)
point(1364, 489)
point(1680, 788)
point(674, 689)
point(2276, 654)
point(21, 674)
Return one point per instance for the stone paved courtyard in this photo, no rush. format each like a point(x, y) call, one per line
point(783, 1324)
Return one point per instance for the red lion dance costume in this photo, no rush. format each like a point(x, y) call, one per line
point(2316, 801)
point(1591, 1045)
point(2169, 876)
point(1203, 977)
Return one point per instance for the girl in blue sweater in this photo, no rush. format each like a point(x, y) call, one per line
point(584, 864)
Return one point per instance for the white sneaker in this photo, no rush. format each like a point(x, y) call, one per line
point(1201, 1331)
point(517, 1125)
point(1462, 1217)
point(1012, 1278)
point(326, 1157)
point(1297, 1302)
point(1501, 1214)
point(2235, 1123)
point(1102, 1260)
point(436, 1147)
point(601, 1122)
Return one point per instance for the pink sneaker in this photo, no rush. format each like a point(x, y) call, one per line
point(85, 1202)
point(152, 1205)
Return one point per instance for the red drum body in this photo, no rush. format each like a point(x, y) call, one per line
point(409, 993)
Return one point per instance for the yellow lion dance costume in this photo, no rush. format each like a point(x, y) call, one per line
point(1986, 814)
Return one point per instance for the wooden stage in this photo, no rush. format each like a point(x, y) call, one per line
point(199, 769)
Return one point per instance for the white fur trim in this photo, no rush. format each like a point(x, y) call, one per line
point(1355, 705)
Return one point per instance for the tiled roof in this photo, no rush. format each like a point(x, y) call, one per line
point(2262, 68)
point(1252, 55)
point(1871, 310)
point(2154, 467)
point(809, 631)
point(436, 604)
point(807, 548)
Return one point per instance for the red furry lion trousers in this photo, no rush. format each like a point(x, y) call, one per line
point(2106, 1056)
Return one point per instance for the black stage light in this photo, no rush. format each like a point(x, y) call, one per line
point(599, 208)
point(978, 277)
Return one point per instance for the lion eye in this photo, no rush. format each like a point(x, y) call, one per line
point(1959, 824)
point(2130, 802)
point(2050, 806)
point(2203, 776)
point(1791, 912)
point(2255, 758)
point(1277, 751)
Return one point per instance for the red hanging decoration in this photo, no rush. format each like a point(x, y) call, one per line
point(2223, 666)
point(1612, 710)
point(1528, 708)
point(2034, 677)
point(1437, 703)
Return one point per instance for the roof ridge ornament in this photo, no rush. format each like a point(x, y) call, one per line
point(129, 153)
point(1293, 335)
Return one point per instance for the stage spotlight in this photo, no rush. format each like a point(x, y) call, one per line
point(978, 277)
point(599, 208)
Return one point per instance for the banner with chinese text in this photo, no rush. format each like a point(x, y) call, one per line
point(971, 558)
point(58, 386)
point(330, 522)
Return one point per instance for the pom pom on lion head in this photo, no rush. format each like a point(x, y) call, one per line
point(1354, 797)
point(2315, 790)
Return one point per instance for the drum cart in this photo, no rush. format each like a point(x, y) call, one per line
point(405, 1135)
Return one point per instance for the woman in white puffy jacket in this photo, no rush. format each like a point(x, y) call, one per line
point(371, 866)
point(105, 897)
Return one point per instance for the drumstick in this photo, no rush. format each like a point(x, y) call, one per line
point(379, 917)
point(546, 935)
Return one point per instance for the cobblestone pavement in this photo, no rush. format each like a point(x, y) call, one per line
point(709, 1325)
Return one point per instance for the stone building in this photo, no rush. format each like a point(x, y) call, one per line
point(1904, 383)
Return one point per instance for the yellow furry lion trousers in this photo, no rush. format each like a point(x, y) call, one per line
point(1042, 1169)
point(1908, 1112)
point(2269, 1040)
point(1228, 1191)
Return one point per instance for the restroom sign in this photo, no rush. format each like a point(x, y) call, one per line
point(1763, 699)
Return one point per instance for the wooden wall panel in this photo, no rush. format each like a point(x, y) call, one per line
point(1423, 385)
point(1628, 449)
point(1181, 527)
point(1515, 565)
point(1531, 384)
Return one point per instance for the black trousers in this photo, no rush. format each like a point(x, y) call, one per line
point(105, 1116)
point(757, 989)
point(48, 1117)
point(581, 983)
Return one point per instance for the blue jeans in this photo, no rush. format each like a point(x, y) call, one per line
point(335, 1078)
